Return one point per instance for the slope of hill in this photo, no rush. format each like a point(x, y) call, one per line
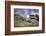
point(19, 21)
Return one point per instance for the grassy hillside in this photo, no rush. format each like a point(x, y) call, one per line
point(20, 22)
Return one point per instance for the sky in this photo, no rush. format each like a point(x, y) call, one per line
point(26, 11)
